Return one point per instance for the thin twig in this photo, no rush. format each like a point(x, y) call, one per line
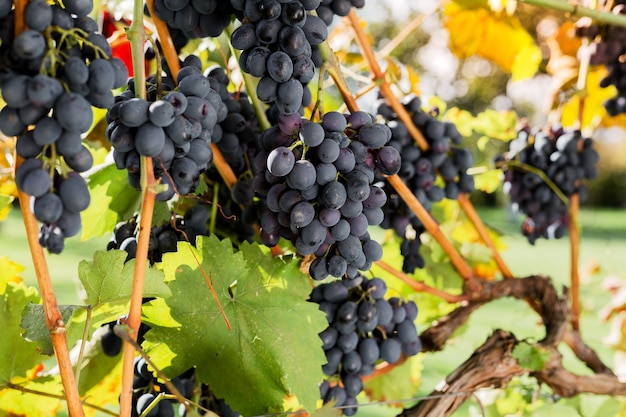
point(136, 35)
point(169, 50)
point(81, 352)
point(419, 286)
point(574, 9)
point(222, 166)
point(574, 235)
point(131, 341)
point(379, 78)
point(24, 390)
point(334, 70)
point(431, 226)
point(480, 227)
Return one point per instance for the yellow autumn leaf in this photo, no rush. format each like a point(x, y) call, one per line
point(9, 272)
point(414, 81)
point(594, 113)
point(498, 37)
point(526, 62)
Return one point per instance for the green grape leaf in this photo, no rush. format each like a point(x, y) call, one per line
point(386, 387)
point(17, 355)
point(530, 357)
point(489, 180)
point(14, 402)
point(35, 328)
point(327, 410)
point(108, 279)
point(497, 124)
point(273, 348)
point(108, 284)
point(112, 200)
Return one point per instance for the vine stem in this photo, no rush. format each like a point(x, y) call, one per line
point(169, 50)
point(137, 36)
point(420, 286)
point(334, 70)
point(574, 238)
point(431, 226)
point(222, 166)
point(53, 317)
point(473, 216)
point(405, 117)
point(574, 9)
point(381, 80)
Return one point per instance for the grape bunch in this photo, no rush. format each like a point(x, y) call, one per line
point(318, 189)
point(364, 329)
point(163, 238)
point(53, 72)
point(329, 8)
point(176, 130)
point(565, 158)
point(609, 46)
point(276, 40)
point(194, 19)
point(432, 175)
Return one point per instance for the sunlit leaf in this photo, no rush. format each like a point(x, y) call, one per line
point(497, 124)
point(489, 180)
point(14, 402)
point(594, 112)
point(9, 272)
point(386, 387)
point(526, 62)
point(112, 200)
point(273, 349)
point(496, 36)
point(463, 120)
point(17, 355)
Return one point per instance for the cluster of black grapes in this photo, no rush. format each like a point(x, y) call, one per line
point(609, 42)
point(566, 158)
point(433, 174)
point(364, 329)
point(163, 238)
point(194, 19)
point(276, 41)
point(53, 72)
point(318, 189)
point(176, 130)
point(329, 8)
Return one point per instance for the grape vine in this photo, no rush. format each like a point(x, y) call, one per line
point(257, 205)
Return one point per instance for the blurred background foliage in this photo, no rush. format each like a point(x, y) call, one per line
point(501, 55)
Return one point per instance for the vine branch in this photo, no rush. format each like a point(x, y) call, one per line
point(136, 36)
point(431, 226)
point(420, 286)
point(574, 9)
point(492, 364)
point(53, 317)
point(418, 137)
